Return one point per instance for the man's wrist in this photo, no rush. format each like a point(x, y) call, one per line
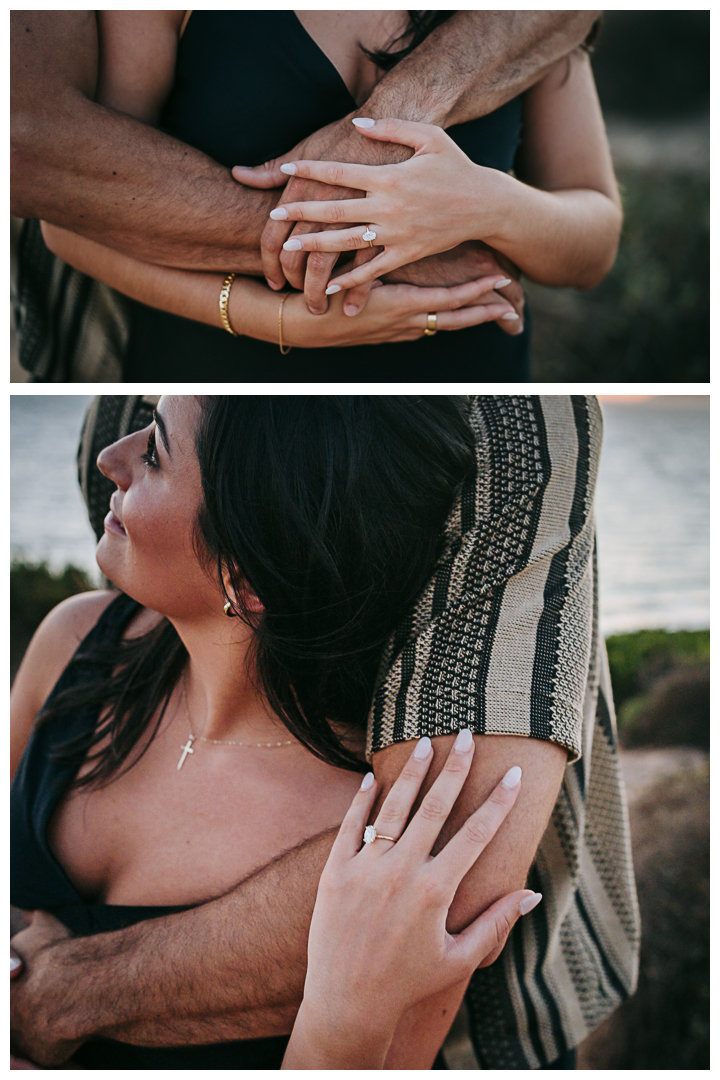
point(71, 994)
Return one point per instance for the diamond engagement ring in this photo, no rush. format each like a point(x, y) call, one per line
point(371, 835)
point(369, 235)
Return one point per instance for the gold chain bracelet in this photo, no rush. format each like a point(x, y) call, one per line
point(283, 350)
point(224, 298)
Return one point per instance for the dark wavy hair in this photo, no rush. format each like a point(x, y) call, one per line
point(331, 508)
point(422, 23)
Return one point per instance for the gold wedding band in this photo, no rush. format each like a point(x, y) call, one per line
point(431, 327)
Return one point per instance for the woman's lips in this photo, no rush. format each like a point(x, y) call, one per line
point(113, 525)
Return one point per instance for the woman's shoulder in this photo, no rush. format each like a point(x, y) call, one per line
point(61, 631)
point(48, 654)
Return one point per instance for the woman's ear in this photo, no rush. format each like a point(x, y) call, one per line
point(244, 600)
point(251, 602)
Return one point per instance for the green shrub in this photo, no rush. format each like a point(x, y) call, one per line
point(649, 320)
point(35, 590)
point(638, 660)
point(661, 686)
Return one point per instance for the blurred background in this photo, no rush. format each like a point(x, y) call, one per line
point(652, 511)
point(649, 320)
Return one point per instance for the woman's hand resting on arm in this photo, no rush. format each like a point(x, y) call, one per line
point(378, 941)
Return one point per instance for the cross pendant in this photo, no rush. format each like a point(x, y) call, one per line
point(186, 749)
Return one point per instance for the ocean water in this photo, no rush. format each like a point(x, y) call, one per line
point(47, 513)
point(652, 505)
point(653, 514)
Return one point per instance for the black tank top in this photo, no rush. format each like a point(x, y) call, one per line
point(39, 881)
point(249, 85)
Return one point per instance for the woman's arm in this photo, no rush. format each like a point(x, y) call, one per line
point(394, 312)
point(560, 223)
point(563, 224)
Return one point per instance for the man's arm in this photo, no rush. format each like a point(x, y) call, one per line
point(475, 62)
point(233, 968)
point(108, 176)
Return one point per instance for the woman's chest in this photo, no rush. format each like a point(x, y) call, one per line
point(162, 836)
point(250, 85)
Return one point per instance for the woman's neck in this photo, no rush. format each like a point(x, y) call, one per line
point(219, 687)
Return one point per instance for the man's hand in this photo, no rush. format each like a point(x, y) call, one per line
point(335, 142)
point(16, 967)
point(455, 267)
point(461, 264)
point(32, 1012)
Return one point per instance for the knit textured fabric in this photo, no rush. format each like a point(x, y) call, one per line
point(504, 640)
point(70, 327)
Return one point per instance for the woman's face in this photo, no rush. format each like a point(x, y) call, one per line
point(147, 549)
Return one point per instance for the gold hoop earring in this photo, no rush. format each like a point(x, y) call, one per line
point(228, 609)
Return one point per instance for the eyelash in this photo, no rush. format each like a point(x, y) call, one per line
point(150, 456)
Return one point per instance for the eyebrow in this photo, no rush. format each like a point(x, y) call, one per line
point(163, 431)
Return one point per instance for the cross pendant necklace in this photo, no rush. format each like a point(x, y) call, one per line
point(186, 749)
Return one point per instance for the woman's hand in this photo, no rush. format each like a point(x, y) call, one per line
point(434, 201)
point(378, 940)
point(394, 313)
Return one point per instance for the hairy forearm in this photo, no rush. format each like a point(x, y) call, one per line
point(475, 62)
point(113, 179)
point(105, 174)
point(231, 969)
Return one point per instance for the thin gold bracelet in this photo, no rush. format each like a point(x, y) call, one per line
point(283, 350)
point(224, 298)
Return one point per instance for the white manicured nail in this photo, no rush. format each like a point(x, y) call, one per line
point(499, 284)
point(530, 902)
point(510, 315)
point(290, 169)
point(368, 781)
point(332, 289)
point(292, 244)
point(279, 214)
point(363, 122)
point(512, 777)
point(422, 750)
point(14, 963)
point(464, 741)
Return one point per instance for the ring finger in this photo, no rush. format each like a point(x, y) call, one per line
point(341, 240)
point(395, 811)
